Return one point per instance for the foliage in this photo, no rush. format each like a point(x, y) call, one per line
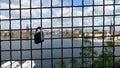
point(106, 58)
point(87, 52)
point(117, 63)
point(5, 35)
point(109, 43)
point(61, 64)
point(74, 36)
point(11, 34)
point(74, 63)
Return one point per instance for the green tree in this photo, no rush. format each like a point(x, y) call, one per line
point(106, 58)
point(73, 63)
point(11, 34)
point(5, 35)
point(60, 64)
point(87, 52)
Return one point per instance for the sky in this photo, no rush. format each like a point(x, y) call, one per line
point(56, 12)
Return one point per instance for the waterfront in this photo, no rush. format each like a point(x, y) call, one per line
point(46, 47)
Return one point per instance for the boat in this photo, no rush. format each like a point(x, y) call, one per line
point(15, 64)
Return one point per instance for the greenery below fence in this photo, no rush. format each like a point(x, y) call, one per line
point(106, 59)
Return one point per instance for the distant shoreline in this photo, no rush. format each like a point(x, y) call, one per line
point(116, 42)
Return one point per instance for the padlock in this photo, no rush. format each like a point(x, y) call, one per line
point(39, 35)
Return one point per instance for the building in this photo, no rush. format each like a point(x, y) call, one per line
point(111, 30)
point(22, 33)
point(16, 34)
point(112, 33)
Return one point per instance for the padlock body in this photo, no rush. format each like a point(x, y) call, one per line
point(39, 37)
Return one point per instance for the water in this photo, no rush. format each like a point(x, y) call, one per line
point(45, 49)
point(36, 50)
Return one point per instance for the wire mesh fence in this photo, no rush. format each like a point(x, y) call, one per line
point(77, 33)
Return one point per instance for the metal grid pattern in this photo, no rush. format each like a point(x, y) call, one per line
point(63, 49)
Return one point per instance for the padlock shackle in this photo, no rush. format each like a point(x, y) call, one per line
point(38, 28)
